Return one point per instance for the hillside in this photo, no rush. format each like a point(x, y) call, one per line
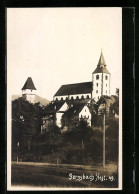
point(37, 99)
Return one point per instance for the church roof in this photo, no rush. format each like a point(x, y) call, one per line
point(71, 89)
point(29, 84)
point(101, 67)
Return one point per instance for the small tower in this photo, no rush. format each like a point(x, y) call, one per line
point(101, 80)
point(28, 90)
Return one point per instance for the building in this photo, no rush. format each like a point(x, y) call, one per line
point(99, 86)
point(73, 102)
point(75, 113)
point(52, 115)
point(28, 90)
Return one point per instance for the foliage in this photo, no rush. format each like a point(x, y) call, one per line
point(26, 119)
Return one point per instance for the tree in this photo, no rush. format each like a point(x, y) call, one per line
point(25, 123)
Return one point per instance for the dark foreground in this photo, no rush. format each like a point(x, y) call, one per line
point(64, 175)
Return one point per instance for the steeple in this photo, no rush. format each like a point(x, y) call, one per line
point(100, 80)
point(101, 62)
point(101, 67)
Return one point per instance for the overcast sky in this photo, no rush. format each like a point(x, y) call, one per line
point(57, 46)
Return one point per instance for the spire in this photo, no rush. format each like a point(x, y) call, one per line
point(101, 62)
point(101, 67)
point(29, 84)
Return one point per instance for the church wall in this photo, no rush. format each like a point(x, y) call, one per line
point(97, 86)
point(106, 84)
point(73, 96)
point(101, 86)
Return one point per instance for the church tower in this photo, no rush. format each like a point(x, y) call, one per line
point(100, 80)
point(28, 90)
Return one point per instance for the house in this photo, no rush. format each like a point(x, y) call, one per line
point(99, 86)
point(75, 113)
point(52, 115)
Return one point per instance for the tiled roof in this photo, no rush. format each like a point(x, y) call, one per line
point(29, 84)
point(71, 89)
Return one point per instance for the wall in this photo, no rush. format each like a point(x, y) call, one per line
point(101, 85)
point(85, 113)
point(74, 96)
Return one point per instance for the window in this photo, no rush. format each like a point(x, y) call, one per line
point(72, 98)
point(97, 76)
point(106, 77)
point(106, 85)
point(98, 97)
point(87, 96)
point(77, 97)
point(56, 99)
point(106, 91)
point(96, 91)
point(97, 84)
point(61, 98)
point(82, 97)
point(85, 110)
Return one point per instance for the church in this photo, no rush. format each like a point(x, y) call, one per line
point(99, 86)
point(71, 102)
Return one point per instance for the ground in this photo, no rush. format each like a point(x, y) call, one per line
point(64, 175)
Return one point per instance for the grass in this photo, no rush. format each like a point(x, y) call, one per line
point(52, 175)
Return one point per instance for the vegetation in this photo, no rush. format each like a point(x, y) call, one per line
point(81, 144)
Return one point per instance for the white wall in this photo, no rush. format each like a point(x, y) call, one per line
point(74, 96)
point(103, 87)
point(85, 113)
point(60, 113)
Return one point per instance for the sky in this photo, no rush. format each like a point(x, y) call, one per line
point(57, 46)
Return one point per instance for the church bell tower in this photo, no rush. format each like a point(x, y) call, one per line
point(100, 80)
point(28, 90)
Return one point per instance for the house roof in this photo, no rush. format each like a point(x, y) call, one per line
point(29, 84)
point(73, 111)
point(53, 107)
point(71, 89)
point(101, 67)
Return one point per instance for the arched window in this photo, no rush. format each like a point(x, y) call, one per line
point(96, 91)
point(97, 84)
point(87, 96)
point(56, 99)
point(97, 76)
point(61, 98)
point(66, 98)
point(77, 97)
point(72, 98)
point(106, 77)
point(106, 85)
point(82, 97)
